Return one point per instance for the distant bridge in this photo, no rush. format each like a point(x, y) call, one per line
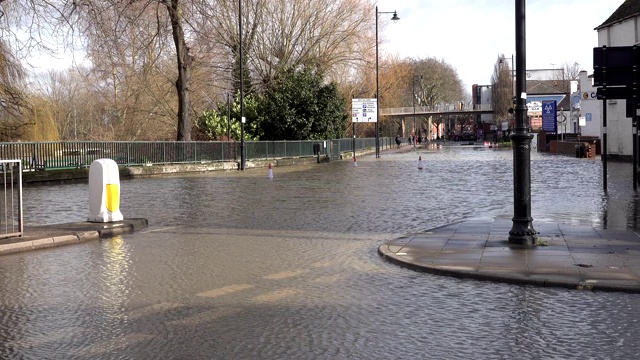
point(436, 110)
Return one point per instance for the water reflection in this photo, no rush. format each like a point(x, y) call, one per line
point(115, 281)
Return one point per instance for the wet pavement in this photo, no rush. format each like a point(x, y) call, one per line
point(570, 256)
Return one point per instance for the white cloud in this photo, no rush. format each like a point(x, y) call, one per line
point(470, 34)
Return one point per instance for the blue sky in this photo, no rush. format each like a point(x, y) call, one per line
point(470, 34)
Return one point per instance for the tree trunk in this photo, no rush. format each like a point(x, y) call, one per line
point(184, 70)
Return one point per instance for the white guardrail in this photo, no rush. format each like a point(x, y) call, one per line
point(11, 219)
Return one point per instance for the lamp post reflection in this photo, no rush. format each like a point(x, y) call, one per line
point(395, 18)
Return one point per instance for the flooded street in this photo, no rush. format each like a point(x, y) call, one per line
point(236, 266)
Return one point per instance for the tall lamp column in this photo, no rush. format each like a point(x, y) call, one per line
point(242, 120)
point(415, 129)
point(522, 231)
point(395, 18)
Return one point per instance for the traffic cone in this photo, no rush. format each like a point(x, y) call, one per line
point(355, 162)
point(420, 164)
point(270, 172)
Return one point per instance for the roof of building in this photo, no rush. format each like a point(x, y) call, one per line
point(628, 9)
point(562, 100)
point(535, 87)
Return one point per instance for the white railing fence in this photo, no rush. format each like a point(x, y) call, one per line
point(11, 220)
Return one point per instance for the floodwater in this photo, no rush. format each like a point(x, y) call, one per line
point(237, 266)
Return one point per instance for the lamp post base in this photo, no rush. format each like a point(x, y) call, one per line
point(522, 232)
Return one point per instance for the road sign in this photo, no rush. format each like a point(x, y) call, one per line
point(631, 106)
point(364, 110)
point(616, 93)
point(549, 116)
point(614, 66)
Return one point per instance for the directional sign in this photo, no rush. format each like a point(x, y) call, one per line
point(617, 92)
point(615, 66)
point(364, 110)
point(549, 116)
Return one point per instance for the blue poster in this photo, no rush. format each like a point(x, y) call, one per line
point(549, 116)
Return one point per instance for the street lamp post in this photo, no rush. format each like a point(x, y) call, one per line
point(415, 130)
point(394, 18)
point(242, 144)
point(228, 116)
point(522, 231)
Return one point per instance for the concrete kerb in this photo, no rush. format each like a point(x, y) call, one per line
point(461, 274)
point(72, 233)
point(513, 280)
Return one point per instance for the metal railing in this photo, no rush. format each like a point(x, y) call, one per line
point(80, 154)
point(11, 219)
point(436, 109)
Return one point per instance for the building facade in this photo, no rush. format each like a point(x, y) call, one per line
point(622, 28)
point(589, 106)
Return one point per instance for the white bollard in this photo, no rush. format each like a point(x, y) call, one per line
point(104, 191)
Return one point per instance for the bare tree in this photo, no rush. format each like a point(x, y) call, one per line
point(126, 33)
point(13, 99)
point(128, 44)
point(439, 82)
point(567, 73)
point(501, 90)
point(283, 34)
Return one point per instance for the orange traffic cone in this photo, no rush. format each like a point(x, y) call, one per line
point(355, 162)
point(420, 164)
point(270, 172)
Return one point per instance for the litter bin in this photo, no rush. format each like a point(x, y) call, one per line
point(316, 149)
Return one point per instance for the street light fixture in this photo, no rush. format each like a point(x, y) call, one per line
point(395, 18)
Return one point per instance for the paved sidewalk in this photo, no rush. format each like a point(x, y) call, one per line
point(40, 237)
point(573, 256)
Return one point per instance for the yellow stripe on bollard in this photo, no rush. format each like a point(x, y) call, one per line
point(113, 197)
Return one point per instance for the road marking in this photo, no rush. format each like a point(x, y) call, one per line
point(206, 316)
point(152, 309)
point(110, 345)
point(38, 340)
point(323, 263)
point(328, 279)
point(276, 295)
point(285, 274)
point(225, 290)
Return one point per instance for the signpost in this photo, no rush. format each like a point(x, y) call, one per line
point(364, 110)
point(616, 72)
point(549, 116)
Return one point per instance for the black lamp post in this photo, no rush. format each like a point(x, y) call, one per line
point(415, 130)
point(395, 18)
point(522, 231)
point(228, 116)
point(242, 144)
